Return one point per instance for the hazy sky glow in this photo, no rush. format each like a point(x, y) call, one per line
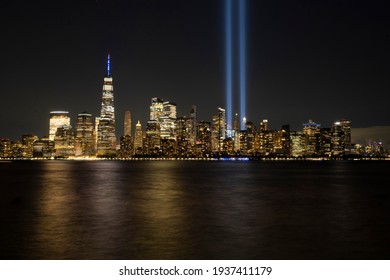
point(320, 60)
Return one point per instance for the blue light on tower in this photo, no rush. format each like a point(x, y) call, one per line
point(108, 65)
point(229, 65)
point(242, 58)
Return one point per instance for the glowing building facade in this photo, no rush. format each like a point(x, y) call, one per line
point(167, 121)
point(64, 141)
point(138, 139)
point(156, 108)
point(127, 126)
point(312, 138)
point(219, 130)
point(57, 119)
point(164, 113)
point(84, 140)
point(185, 135)
point(126, 141)
point(5, 148)
point(203, 142)
point(28, 144)
point(43, 148)
point(193, 123)
point(106, 137)
point(152, 145)
point(341, 137)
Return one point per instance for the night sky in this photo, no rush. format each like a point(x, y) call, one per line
point(319, 60)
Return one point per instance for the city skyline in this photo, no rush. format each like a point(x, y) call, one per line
point(305, 61)
point(168, 134)
point(107, 137)
point(165, 124)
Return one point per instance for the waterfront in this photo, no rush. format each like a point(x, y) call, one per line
point(194, 210)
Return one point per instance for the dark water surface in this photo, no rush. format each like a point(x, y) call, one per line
point(194, 210)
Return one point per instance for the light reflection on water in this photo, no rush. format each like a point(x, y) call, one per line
point(194, 210)
point(55, 203)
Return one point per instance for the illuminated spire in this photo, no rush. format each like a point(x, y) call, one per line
point(108, 66)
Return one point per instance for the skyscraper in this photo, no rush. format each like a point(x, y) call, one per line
point(84, 140)
point(57, 119)
point(153, 138)
point(64, 141)
point(126, 141)
point(218, 131)
point(203, 142)
point(194, 124)
point(168, 121)
point(164, 113)
point(106, 138)
point(341, 137)
point(138, 138)
point(156, 108)
point(127, 128)
point(312, 139)
point(28, 144)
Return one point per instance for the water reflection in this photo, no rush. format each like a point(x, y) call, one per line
point(195, 210)
point(160, 212)
point(56, 227)
point(96, 216)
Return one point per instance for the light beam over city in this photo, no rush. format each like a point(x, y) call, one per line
point(242, 58)
point(229, 64)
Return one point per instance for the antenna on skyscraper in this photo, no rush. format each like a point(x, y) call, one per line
point(108, 65)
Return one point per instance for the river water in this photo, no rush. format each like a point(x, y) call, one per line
point(194, 210)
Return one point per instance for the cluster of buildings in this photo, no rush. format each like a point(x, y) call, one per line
point(172, 136)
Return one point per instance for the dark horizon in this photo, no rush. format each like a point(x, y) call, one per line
point(319, 61)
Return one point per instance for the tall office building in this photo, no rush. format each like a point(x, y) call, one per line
point(164, 113)
point(127, 128)
point(264, 125)
point(326, 142)
point(193, 124)
point(106, 137)
point(168, 121)
point(57, 119)
point(311, 138)
point(185, 135)
point(138, 139)
point(156, 108)
point(297, 146)
point(341, 137)
point(126, 146)
point(5, 148)
point(126, 141)
point(247, 139)
point(203, 141)
point(64, 141)
point(153, 138)
point(28, 144)
point(236, 123)
point(346, 125)
point(193, 113)
point(43, 148)
point(84, 140)
point(218, 130)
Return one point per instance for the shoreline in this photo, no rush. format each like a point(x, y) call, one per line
point(239, 159)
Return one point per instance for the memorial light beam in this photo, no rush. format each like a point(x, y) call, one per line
point(229, 64)
point(242, 60)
